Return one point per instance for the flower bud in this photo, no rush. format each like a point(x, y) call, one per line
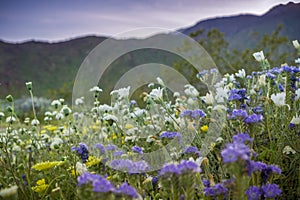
point(9, 98)
point(29, 86)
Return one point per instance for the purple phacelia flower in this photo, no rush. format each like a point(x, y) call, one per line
point(101, 147)
point(217, 189)
point(82, 150)
point(235, 151)
point(254, 118)
point(254, 193)
point(238, 113)
point(271, 190)
point(127, 190)
point(170, 135)
point(188, 166)
point(196, 114)
point(242, 138)
point(137, 149)
point(192, 149)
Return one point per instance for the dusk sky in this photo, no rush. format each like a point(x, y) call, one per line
point(55, 20)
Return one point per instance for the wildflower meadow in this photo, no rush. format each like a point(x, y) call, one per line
point(102, 151)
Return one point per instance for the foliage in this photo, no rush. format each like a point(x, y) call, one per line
point(101, 152)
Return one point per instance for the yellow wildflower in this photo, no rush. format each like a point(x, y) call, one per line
point(50, 127)
point(41, 186)
point(47, 165)
point(114, 136)
point(204, 128)
point(92, 161)
point(128, 126)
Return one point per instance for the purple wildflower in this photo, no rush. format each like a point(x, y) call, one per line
point(238, 113)
point(254, 118)
point(271, 190)
point(215, 190)
point(82, 150)
point(196, 114)
point(130, 166)
point(186, 113)
point(101, 147)
point(192, 149)
point(242, 138)
point(154, 181)
point(118, 153)
point(234, 151)
point(237, 94)
point(137, 149)
point(127, 190)
point(169, 169)
point(254, 193)
point(103, 185)
point(111, 147)
point(188, 166)
point(206, 182)
point(258, 110)
point(170, 135)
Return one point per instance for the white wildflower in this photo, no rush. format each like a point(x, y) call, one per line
point(56, 141)
point(35, 122)
point(191, 90)
point(208, 98)
point(296, 44)
point(176, 94)
point(7, 192)
point(105, 108)
point(1, 114)
point(80, 168)
point(10, 119)
point(259, 56)
point(222, 94)
point(55, 103)
point(79, 101)
point(110, 117)
point(219, 107)
point(121, 93)
point(156, 93)
point(295, 119)
point(59, 116)
point(66, 110)
point(198, 161)
point(278, 99)
point(262, 80)
point(95, 89)
point(241, 73)
point(297, 92)
point(297, 61)
point(229, 78)
point(160, 81)
point(287, 150)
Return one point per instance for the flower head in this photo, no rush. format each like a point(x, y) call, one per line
point(127, 190)
point(82, 150)
point(254, 193)
point(271, 190)
point(259, 56)
point(278, 99)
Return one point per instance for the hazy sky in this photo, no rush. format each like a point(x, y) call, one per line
point(55, 20)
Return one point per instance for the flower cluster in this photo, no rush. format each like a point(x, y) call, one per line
point(82, 150)
point(177, 169)
point(129, 166)
point(101, 185)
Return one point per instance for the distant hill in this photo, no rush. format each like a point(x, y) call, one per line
point(239, 29)
point(52, 67)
